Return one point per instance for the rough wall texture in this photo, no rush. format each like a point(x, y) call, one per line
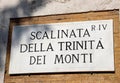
point(24, 8)
point(106, 77)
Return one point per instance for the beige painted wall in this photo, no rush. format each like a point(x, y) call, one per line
point(24, 8)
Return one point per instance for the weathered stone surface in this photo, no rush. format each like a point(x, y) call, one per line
point(23, 8)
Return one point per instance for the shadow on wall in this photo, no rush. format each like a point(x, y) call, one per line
point(2, 47)
point(23, 9)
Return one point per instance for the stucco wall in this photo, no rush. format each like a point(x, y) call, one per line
point(24, 8)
